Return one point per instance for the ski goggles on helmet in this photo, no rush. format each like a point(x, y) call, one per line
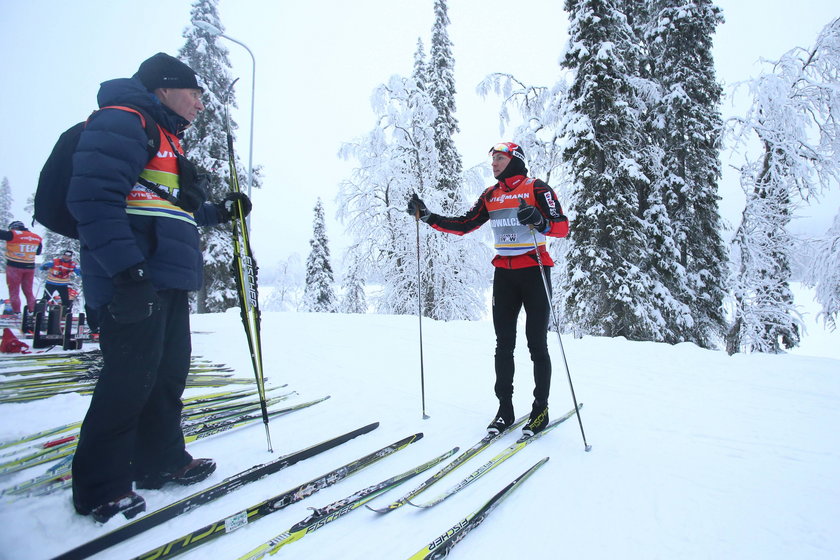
point(509, 148)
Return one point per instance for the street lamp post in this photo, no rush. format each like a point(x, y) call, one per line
point(215, 31)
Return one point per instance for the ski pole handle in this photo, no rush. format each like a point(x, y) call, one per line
point(523, 204)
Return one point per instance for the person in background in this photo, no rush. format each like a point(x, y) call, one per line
point(138, 224)
point(22, 246)
point(58, 279)
point(522, 211)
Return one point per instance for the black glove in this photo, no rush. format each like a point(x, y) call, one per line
point(227, 210)
point(530, 216)
point(135, 297)
point(415, 206)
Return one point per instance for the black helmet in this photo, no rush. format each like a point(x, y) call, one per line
point(17, 224)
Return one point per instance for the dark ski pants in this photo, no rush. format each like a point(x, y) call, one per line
point(513, 290)
point(63, 295)
point(133, 425)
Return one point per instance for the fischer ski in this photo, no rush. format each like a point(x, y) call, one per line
point(269, 506)
point(457, 462)
point(327, 514)
point(440, 547)
point(192, 433)
point(195, 433)
point(245, 272)
point(228, 485)
point(495, 461)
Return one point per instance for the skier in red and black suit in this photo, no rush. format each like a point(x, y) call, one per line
point(516, 281)
point(58, 278)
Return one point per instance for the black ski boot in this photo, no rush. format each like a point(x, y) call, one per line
point(503, 420)
point(129, 505)
point(194, 471)
point(537, 421)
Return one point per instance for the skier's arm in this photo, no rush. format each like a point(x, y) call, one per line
point(549, 206)
point(460, 225)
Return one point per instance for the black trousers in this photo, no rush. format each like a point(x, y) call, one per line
point(63, 294)
point(133, 424)
point(513, 290)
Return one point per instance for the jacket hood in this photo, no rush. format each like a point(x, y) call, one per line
point(132, 92)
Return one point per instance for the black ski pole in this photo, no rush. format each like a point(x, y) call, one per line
point(586, 446)
point(420, 317)
point(245, 272)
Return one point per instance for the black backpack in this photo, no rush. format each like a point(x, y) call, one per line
point(53, 183)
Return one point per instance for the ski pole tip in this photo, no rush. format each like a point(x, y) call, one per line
point(426, 416)
point(588, 448)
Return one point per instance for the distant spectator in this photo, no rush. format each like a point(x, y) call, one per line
point(22, 246)
point(58, 278)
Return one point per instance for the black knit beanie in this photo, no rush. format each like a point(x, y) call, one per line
point(164, 71)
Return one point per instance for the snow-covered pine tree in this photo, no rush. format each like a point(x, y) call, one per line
point(447, 289)
point(6, 216)
point(398, 157)
point(206, 145)
point(686, 125)
point(794, 119)
point(420, 71)
point(440, 86)
point(613, 289)
point(55, 244)
point(662, 257)
point(319, 293)
point(353, 298)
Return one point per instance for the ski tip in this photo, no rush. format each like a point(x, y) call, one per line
point(386, 509)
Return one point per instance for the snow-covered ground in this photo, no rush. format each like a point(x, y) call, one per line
point(696, 454)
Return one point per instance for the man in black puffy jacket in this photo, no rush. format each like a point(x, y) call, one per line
point(140, 256)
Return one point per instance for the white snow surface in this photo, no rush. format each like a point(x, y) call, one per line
point(695, 454)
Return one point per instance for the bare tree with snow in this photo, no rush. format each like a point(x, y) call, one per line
point(793, 118)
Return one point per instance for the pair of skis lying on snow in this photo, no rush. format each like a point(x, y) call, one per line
point(321, 516)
